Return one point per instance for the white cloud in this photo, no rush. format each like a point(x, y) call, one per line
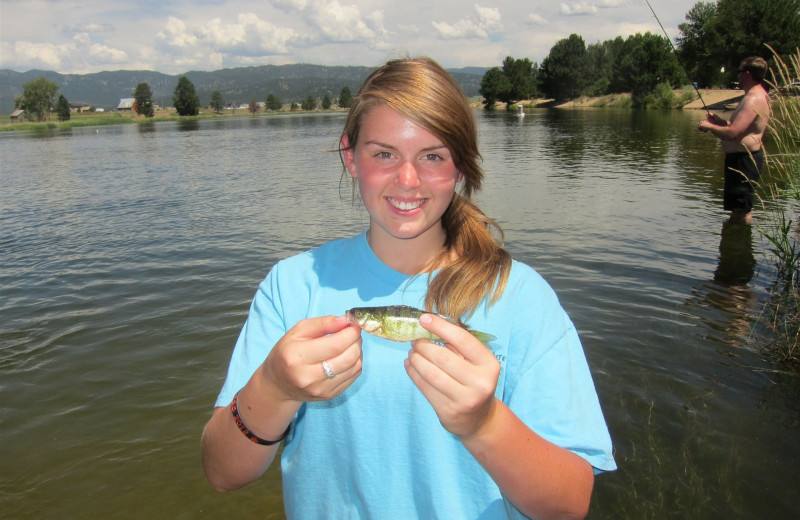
point(611, 3)
point(38, 55)
point(290, 5)
point(89, 27)
point(577, 8)
point(77, 53)
point(375, 20)
point(536, 19)
point(487, 21)
point(246, 41)
point(173, 36)
point(334, 22)
point(337, 22)
point(107, 55)
point(250, 36)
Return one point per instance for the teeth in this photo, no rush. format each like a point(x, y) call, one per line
point(405, 206)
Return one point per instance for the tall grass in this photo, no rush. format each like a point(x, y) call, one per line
point(782, 201)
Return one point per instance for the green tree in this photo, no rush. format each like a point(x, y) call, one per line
point(345, 98)
point(217, 102)
point(326, 102)
point(717, 36)
point(645, 61)
point(566, 70)
point(273, 103)
point(144, 99)
point(741, 28)
point(521, 74)
point(694, 46)
point(515, 81)
point(62, 108)
point(601, 62)
point(185, 98)
point(309, 103)
point(494, 87)
point(37, 98)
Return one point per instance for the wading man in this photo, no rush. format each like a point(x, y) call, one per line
point(741, 139)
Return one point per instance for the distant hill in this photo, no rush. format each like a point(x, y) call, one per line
point(238, 85)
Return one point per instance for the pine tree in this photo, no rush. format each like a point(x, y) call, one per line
point(185, 98)
point(62, 108)
point(144, 100)
point(217, 102)
point(345, 98)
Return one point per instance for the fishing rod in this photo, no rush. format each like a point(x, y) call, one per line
point(677, 57)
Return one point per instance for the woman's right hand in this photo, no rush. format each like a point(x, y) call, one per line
point(295, 364)
point(291, 374)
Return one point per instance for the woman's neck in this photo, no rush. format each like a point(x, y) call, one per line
point(409, 256)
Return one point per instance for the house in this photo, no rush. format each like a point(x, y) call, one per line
point(126, 103)
point(17, 115)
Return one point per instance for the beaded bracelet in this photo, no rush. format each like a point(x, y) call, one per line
point(246, 431)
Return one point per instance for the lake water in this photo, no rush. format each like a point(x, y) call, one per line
point(130, 255)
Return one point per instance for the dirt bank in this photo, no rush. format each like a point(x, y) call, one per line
point(716, 99)
point(713, 98)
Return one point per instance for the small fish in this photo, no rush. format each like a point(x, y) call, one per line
point(401, 323)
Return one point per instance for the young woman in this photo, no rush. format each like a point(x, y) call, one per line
point(380, 429)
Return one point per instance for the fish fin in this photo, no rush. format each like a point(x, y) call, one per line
point(484, 337)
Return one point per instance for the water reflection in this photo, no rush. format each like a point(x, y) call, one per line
point(734, 271)
point(727, 302)
point(737, 264)
point(188, 124)
point(148, 127)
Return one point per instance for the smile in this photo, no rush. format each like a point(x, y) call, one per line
point(405, 205)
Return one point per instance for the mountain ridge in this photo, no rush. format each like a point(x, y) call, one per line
point(290, 83)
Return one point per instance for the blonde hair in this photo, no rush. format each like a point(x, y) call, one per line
point(474, 264)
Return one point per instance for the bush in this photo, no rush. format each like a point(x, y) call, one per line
point(662, 97)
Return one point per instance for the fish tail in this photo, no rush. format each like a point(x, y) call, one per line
point(484, 337)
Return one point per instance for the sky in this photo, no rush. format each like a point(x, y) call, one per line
point(177, 36)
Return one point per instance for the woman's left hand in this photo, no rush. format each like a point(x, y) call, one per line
point(458, 380)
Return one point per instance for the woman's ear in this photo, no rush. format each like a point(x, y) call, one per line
point(348, 155)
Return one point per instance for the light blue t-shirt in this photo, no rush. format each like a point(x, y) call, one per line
point(378, 450)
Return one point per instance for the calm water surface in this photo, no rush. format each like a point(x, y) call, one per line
point(130, 255)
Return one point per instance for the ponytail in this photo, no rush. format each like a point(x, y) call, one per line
point(476, 266)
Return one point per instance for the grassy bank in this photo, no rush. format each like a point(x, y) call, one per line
point(120, 118)
point(77, 120)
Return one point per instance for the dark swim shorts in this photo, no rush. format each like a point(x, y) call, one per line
point(742, 171)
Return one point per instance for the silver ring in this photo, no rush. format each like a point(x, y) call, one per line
point(327, 369)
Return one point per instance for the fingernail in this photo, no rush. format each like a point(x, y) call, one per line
point(425, 318)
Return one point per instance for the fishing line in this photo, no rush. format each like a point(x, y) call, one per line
point(677, 57)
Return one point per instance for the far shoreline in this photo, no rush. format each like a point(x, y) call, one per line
point(712, 99)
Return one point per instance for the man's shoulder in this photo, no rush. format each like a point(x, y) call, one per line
point(757, 95)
